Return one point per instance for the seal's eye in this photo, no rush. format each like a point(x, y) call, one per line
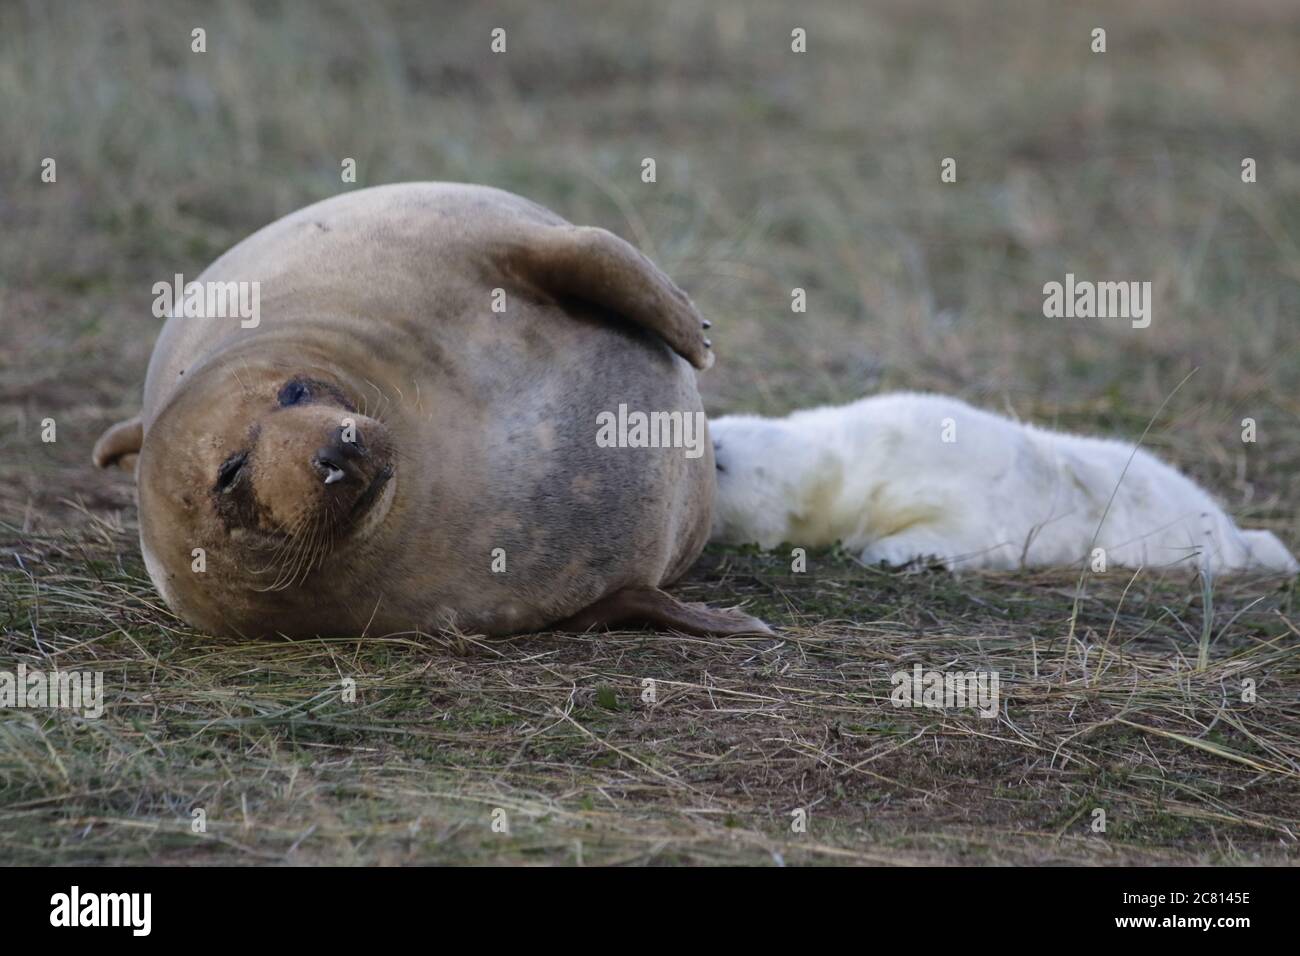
point(293, 393)
point(230, 470)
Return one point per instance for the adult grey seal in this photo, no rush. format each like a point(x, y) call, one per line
point(383, 451)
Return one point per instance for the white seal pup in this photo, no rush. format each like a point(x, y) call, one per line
point(902, 478)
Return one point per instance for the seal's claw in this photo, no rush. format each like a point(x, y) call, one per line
point(598, 267)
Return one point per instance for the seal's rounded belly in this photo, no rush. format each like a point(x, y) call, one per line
point(448, 409)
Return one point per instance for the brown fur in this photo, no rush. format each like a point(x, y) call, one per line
point(486, 422)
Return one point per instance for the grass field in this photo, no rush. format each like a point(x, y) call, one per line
point(775, 170)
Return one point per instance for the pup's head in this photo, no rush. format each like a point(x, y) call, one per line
point(765, 474)
point(275, 475)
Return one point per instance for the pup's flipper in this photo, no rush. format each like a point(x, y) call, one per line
point(118, 442)
point(645, 605)
point(1268, 551)
point(598, 267)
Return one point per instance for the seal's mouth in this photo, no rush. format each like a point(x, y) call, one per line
point(372, 491)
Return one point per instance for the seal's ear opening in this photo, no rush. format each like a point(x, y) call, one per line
point(598, 267)
point(119, 444)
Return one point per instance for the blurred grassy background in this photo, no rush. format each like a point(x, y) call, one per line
point(775, 170)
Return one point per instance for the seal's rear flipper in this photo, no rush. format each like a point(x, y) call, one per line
point(121, 440)
point(646, 605)
point(1268, 551)
point(596, 266)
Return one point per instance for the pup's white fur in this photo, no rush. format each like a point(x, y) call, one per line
point(879, 476)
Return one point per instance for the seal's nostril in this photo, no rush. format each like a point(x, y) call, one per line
point(328, 467)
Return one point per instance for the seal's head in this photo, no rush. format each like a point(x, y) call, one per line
point(774, 483)
point(275, 474)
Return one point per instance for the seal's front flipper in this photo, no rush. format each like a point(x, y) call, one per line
point(646, 605)
point(120, 441)
point(598, 267)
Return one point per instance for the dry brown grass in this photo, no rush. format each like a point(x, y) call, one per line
point(774, 171)
point(553, 729)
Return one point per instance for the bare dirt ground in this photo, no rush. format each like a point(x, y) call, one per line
point(776, 170)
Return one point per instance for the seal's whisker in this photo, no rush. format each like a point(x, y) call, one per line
point(384, 402)
point(320, 548)
point(400, 454)
point(291, 535)
point(300, 557)
point(280, 548)
point(326, 548)
point(291, 578)
point(242, 383)
point(285, 554)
